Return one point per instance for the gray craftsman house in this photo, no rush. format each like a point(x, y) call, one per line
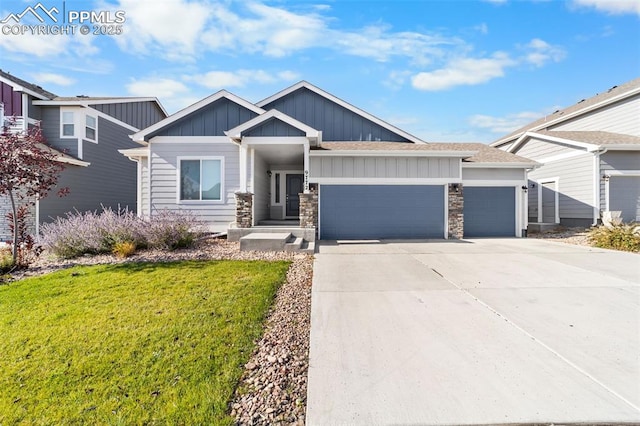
point(306, 163)
point(87, 132)
point(590, 159)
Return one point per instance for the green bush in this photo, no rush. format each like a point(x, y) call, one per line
point(6, 260)
point(625, 237)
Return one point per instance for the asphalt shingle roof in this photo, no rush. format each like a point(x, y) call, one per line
point(33, 87)
point(583, 104)
point(594, 137)
point(483, 153)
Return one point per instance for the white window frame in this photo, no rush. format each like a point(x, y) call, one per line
point(76, 114)
point(200, 158)
point(95, 129)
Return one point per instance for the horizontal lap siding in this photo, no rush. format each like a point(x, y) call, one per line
point(261, 189)
point(51, 132)
point(575, 184)
point(492, 174)
point(384, 167)
point(144, 187)
point(537, 149)
point(164, 183)
point(620, 117)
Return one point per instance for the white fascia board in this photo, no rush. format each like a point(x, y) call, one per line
point(574, 114)
point(273, 140)
point(73, 161)
point(134, 152)
point(527, 135)
point(620, 147)
point(236, 132)
point(342, 103)
point(395, 153)
point(382, 181)
point(498, 165)
point(138, 137)
point(190, 139)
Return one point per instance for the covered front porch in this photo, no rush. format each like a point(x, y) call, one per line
point(274, 195)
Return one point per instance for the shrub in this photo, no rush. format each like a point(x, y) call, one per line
point(6, 260)
point(124, 249)
point(624, 237)
point(93, 233)
point(171, 230)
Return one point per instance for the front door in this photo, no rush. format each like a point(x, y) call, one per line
point(294, 188)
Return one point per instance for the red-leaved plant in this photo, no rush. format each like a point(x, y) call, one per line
point(29, 169)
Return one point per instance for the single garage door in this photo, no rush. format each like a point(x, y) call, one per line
point(361, 212)
point(624, 196)
point(489, 211)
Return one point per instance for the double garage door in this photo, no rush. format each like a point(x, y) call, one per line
point(411, 211)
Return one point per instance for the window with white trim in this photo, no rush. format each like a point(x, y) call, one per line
point(90, 127)
point(200, 179)
point(68, 124)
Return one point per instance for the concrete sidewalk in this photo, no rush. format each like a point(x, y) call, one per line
point(475, 332)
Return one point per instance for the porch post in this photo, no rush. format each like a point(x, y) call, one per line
point(244, 209)
point(305, 148)
point(244, 154)
point(455, 206)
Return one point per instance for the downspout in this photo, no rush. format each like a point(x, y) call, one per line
point(596, 185)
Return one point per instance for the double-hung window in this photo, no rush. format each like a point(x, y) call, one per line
point(68, 124)
point(90, 128)
point(200, 179)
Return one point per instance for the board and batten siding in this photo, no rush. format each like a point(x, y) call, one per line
point(164, 180)
point(492, 174)
point(575, 185)
point(336, 122)
point(137, 114)
point(274, 127)
point(384, 167)
point(619, 117)
point(211, 120)
point(616, 160)
point(537, 149)
point(110, 180)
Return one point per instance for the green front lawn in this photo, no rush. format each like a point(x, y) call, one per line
point(154, 343)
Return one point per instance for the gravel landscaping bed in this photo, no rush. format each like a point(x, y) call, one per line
point(577, 236)
point(273, 388)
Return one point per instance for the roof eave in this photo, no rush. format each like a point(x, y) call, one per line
point(390, 153)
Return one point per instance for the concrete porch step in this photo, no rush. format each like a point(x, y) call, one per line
point(263, 241)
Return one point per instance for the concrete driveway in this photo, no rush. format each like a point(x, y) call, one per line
point(475, 332)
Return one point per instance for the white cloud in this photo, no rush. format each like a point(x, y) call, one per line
point(482, 28)
point(463, 71)
point(541, 52)
point(240, 78)
point(615, 7)
point(159, 87)
point(44, 78)
point(506, 124)
point(36, 45)
point(171, 29)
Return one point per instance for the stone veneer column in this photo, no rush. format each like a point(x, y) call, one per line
point(244, 204)
point(309, 209)
point(456, 215)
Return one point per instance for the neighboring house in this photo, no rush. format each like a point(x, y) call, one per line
point(87, 132)
point(306, 158)
point(590, 155)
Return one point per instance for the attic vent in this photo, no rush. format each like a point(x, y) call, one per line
point(581, 101)
point(612, 88)
point(556, 111)
point(82, 96)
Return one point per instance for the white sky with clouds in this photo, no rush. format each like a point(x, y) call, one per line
point(444, 71)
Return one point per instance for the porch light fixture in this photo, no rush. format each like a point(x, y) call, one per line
point(269, 173)
point(525, 188)
point(455, 187)
point(606, 178)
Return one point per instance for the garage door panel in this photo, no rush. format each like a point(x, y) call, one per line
point(624, 196)
point(489, 211)
point(381, 211)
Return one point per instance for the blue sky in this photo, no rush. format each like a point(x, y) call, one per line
point(446, 71)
